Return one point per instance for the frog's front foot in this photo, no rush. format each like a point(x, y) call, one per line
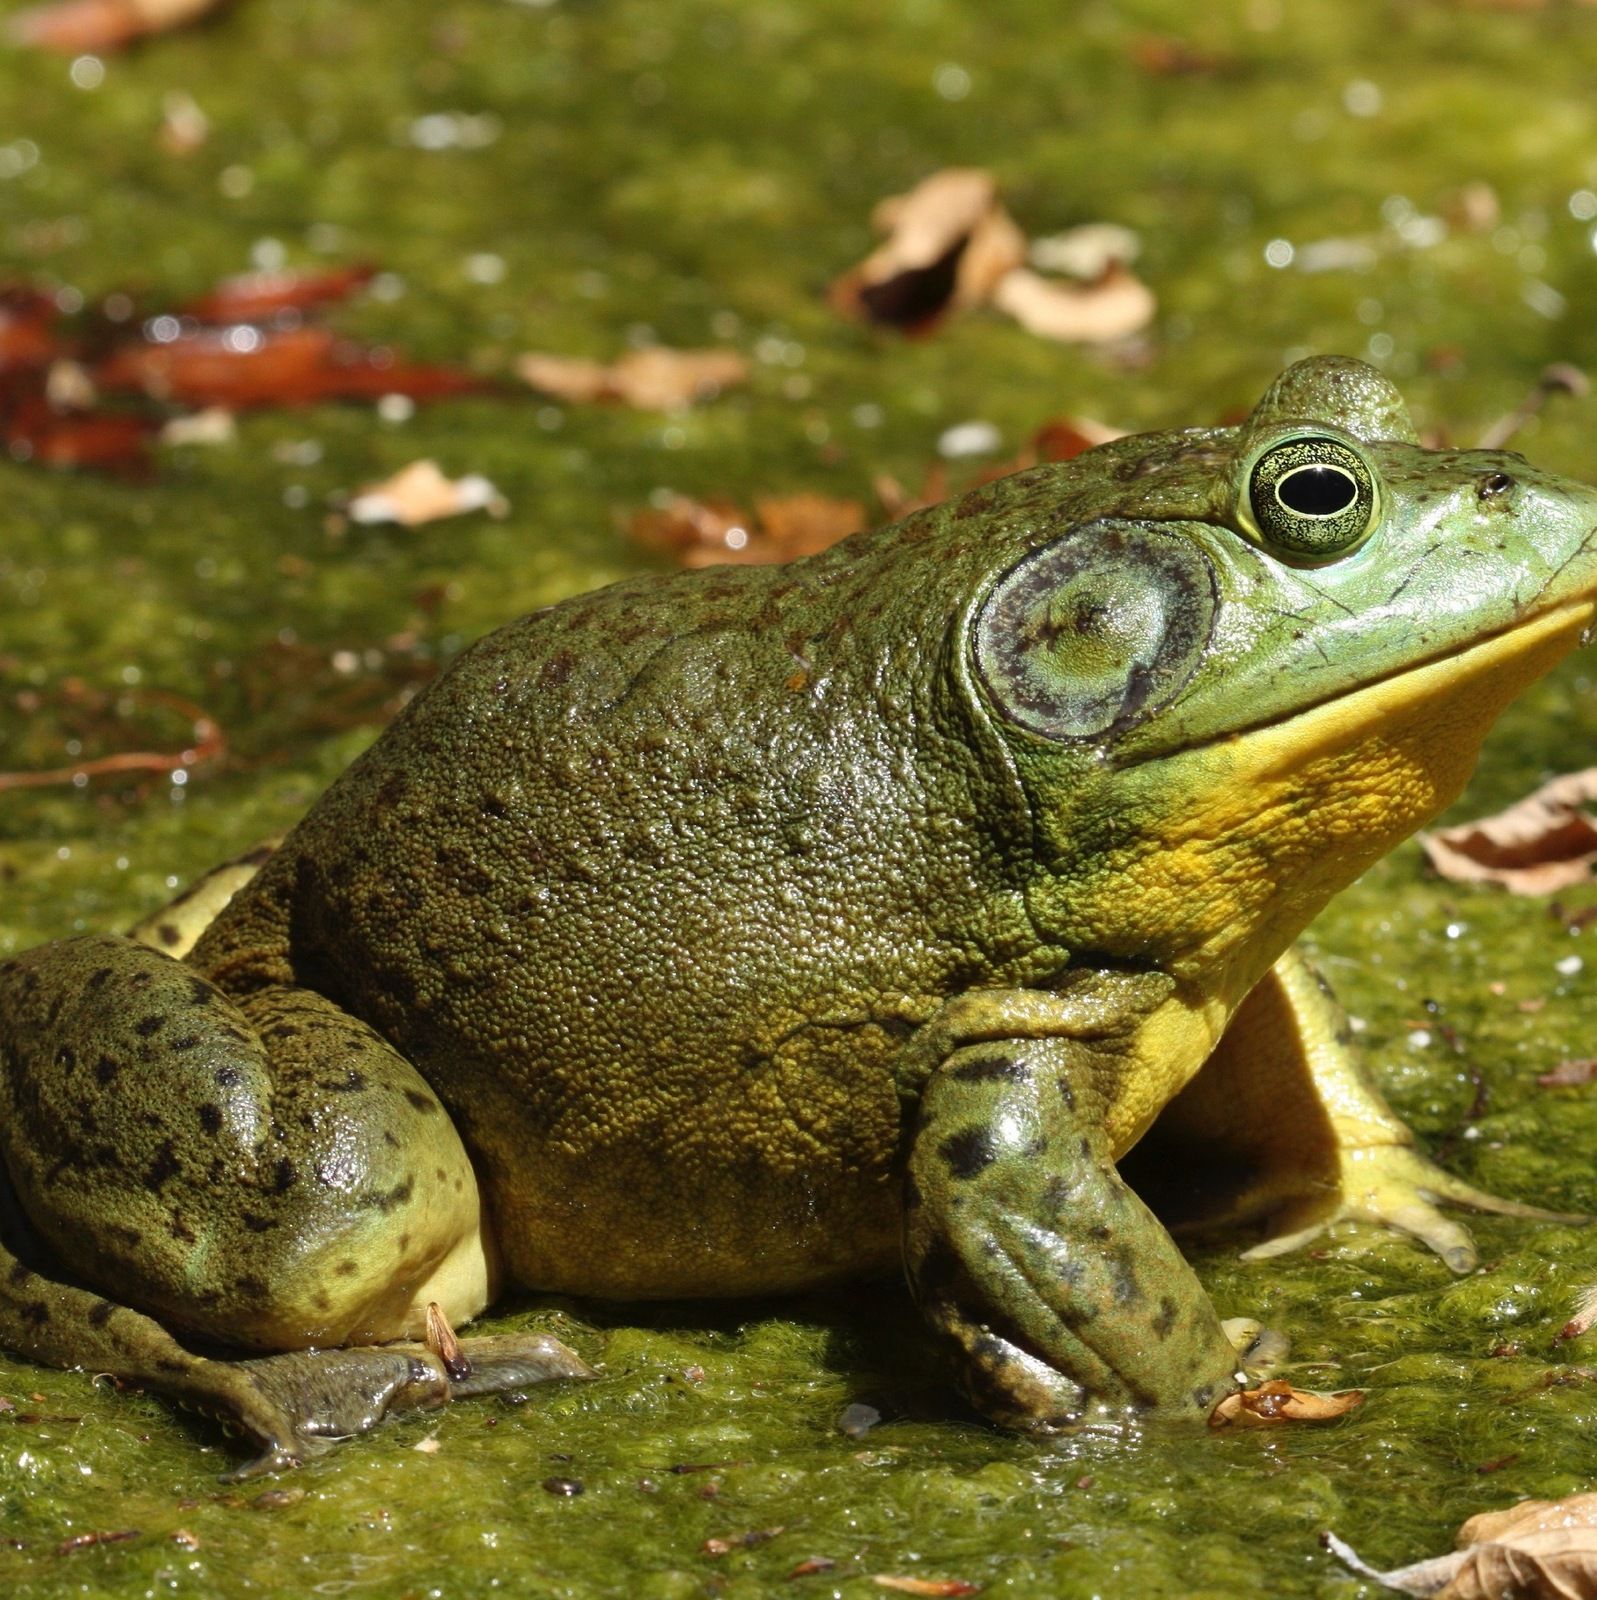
point(1395, 1185)
point(295, 1405)
point(1061, 1294)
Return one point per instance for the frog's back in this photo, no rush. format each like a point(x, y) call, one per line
point(653, 884)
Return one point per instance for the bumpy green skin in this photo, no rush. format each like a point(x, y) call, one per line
point(751, 927)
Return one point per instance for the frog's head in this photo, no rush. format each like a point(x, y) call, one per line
point(1250, 660)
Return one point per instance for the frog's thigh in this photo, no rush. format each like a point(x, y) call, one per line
point(267, 1173)
point(1025, 1248)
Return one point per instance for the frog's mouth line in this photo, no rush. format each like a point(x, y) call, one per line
point(1502, 663)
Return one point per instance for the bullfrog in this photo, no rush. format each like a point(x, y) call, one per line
point(751, 929)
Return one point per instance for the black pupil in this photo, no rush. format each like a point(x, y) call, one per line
point(1317, 491)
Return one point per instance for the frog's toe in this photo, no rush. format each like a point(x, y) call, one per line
point(296, 1405)
point(500, 1362)
point(1399, 1188)
point(1260, 1350)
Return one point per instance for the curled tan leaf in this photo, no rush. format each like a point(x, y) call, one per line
point(1276, 1402)
point(1537, 1550)
point(653, 379)
point(948, 242)
point(421, 493)
point(73, 26)
point(1114, 306)
point(1544, 842)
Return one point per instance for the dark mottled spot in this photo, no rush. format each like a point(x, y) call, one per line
point(352, 1083)
point(101, 1313)
point(284, 1176)
point(1057, 1193)
point(989, 1069)
point(346, 1269)
point(390, 1138)
point(281, 1030)
point(66, 1057)
point(494, 806)
point(1166, 1319)
point(170, 934)
point(440, 1175)
point(36, 1312)
point(968, 1152)
point(200, 992)
point(211, 1117)
point(171, 1364)
point(1099, 1233)
point(107, 1068)
point(19, 1274)
point(1203, 1395)
point(189, 1041)
point(1067, 1094)
point(936, 1267)
point(990, 1351)
point(228, 1077)
point(99, 978)
point(256, 1223)
point(421, 1101)
point(162, 1169)
point(145, 1026)
point(254, 1287)
point(320, 1300)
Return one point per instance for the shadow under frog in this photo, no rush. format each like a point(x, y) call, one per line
point(742, 931)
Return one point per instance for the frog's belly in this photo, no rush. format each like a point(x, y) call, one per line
point(696, 1178)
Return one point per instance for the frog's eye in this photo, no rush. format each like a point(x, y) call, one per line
point(1313, 498)
point(1093, 633)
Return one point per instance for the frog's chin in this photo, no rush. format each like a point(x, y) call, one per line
point(1250, 837)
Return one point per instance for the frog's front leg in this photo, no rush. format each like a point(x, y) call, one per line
point(1288, 1107)
point(1024, 1247)
point(189, 1171)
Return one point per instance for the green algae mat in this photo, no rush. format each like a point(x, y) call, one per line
point(1415, 183)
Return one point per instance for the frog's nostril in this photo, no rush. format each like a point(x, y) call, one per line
point(1494, 484)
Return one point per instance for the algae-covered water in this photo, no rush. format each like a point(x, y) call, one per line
point(581, 175)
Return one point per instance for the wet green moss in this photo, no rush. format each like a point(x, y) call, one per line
point(699, 173)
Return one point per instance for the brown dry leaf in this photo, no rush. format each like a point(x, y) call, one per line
point(930, 1586)
point(1114, 306)
point(653, 379)
point(1276, 1402)
point(707, 533)
point(1065, 438)
point(421, 493)
point(948, 243)
point(811, 1565)
point(1537, 1550)
point(1567, 1074)
point(1541, 843)
point(75, 26)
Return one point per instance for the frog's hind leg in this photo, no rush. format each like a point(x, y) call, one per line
point(266, 1174)
point(1285, 1122)
point(177, 926)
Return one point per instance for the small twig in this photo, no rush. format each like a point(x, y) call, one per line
point(209, 743)
point(1559, 378)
